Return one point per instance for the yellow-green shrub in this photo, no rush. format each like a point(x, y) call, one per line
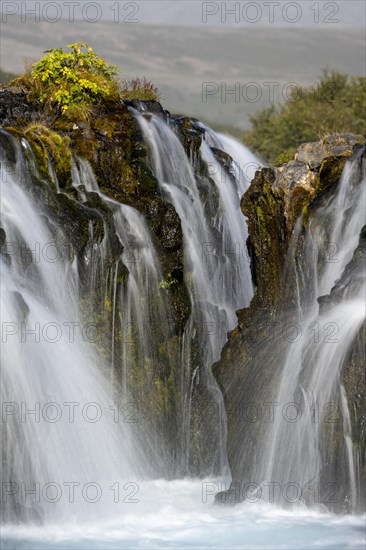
point(73, 80)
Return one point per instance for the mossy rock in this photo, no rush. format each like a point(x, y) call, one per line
point(335, 145)
point(284, 158)
point(74, 218)
point(268, 237)
point(189, 135)
point(330, 172)
point(49, 145)
point(165, 223)
point(7, 146)
point(181, 306)
point(147, 182)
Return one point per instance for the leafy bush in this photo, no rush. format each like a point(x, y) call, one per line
point(69, 80)
point(74, 82)
point(140, 88)
point(337, 105)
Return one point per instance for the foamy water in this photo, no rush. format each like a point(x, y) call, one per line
point(181, 514)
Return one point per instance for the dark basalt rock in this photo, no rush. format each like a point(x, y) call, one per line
point(149, 106)
point(2, 237)
point(7, 148)
point(354, 380)
point(112, 143)
point(273, 204)
point(165, 223)
point(15, 110)
point(223, 158)
point(189, 134)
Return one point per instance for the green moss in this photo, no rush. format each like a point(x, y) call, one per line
point(164, 394)
point(84, 146)
point(168, 281)
point(260, 215)
point(330, 172)
point(106, 124)
point(284, 158)
point(305, 214)
point(146, 179)
point(48, 145)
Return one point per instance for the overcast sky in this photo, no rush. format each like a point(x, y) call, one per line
point(200, 13)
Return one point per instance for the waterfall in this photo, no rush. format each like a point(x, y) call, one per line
point(143, 312)
point(245, 163)
point(217, 268)
point(140, 311)
point(300, 446)
point(66, 391)
point(59, 429)
point(101, 391)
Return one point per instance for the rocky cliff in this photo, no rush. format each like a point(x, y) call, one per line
point(111, 142)
point(279, 205)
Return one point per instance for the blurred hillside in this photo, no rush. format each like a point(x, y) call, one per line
point(180, 60)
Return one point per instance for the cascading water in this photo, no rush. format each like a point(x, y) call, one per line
point(297, 447)
point(143, 311)
point(57, 420)
point(71, 372)
point(67, 373)
point(244, 165)
point(216, 261)
point(140, 312)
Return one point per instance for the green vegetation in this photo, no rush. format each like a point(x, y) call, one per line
point(71, 83)
point(78, 97)
point(168, 281)
point(48, 145)
point(337, 105)
point(283, 158)
point(140, 88)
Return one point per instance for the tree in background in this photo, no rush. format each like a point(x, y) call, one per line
point(337, 105)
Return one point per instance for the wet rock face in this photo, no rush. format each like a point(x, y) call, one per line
point(165, 223)
point(278, 196)
point(150, 106)
point(190, 134)
point(278, 201)
point(338, 145)
point(113, 145)
point(264, 210)
point(354, 379)
point(14, 108)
